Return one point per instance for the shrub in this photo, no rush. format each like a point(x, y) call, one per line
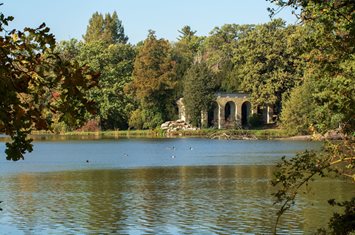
point(90, 126)
point(136, 120)
point(255, 120)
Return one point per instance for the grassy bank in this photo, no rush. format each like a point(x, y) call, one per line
point(121, 133)
point(203, 133)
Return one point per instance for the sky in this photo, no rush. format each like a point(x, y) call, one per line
point(69, 18)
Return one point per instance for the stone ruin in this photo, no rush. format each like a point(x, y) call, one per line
point(177, 125)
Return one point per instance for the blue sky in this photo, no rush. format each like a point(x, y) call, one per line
point(69, 18)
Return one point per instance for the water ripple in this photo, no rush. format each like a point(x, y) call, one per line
point(177, 200)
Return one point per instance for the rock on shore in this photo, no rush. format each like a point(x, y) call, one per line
point(176, 126)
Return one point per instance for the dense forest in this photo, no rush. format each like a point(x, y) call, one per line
point(304, 71)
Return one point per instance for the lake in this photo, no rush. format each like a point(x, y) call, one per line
point(156, 186)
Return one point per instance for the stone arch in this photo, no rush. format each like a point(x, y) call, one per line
point(212, 115)
point(246, 110)
point(229, 111)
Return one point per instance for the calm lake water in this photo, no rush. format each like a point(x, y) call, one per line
point(156, 186)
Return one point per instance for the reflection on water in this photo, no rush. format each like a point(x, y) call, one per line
point(155, 186)
point(170, 200)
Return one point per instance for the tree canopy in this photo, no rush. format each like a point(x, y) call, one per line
point(106, 28)
point(199, 87)
point(264, 63)
point(329, 62)
point(184, 52)
point(154, 80)
point(115, 64)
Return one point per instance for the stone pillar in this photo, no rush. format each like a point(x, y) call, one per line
point(238, 110)
point(220, 116)
point(236, 114)
point(181, 108)
point(234, 111)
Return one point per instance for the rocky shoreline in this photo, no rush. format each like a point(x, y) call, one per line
point(178, 125)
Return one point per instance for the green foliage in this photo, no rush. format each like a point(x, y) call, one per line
point(105, 51)
point(154, 79)
point(35, 82)
point(59, 127)
point(337, 16)
point(334, 98)
point(297, 113)
point(327, 96)
point(68, 50)
point(343, 223)
point(184, 52)
point(152, 118)
point(255, 120)
point(145, 119)
point(293, 175)
point(95, 28)
point(199, 88)
point(115, 63)
point(265, 65)
point(186, 33)
point(329, 65)
point(117, 28)
point(218, 47)
point(136, 120)
point(218, 53)
point(108, 29)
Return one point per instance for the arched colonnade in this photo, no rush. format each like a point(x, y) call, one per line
point(229, 110)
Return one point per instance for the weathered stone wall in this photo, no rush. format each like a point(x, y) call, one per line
point(229, 111)
point(182, 110)
point(235, 98)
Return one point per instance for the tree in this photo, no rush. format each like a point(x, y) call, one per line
point(199, 88)
point(333, 14)
point(219, 51)
point(69, 50)
point(327, 58)
point(95, 29)
point(108, 29)
point(329, 67)
point(186, 33)
point(296, 115)
point(154, 80)
point(265, 65)
point(115, 63)
point(36, 81)
point(185, 51)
